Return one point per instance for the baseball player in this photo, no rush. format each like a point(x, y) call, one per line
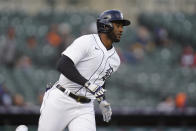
point(84, 66)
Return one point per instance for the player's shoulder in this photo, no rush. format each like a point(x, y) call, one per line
point(84, 41)
point(86, 38)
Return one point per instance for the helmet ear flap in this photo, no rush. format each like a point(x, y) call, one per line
point(104, 26)
point(108, 27)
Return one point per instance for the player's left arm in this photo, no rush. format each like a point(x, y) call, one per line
point(105, 107)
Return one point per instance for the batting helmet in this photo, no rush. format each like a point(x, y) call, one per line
point(105, 19)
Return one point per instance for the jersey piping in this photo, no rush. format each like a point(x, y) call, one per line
point(97, 68)
point(101, 60)
point(104, 66)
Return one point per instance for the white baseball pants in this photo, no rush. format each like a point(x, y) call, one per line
point(59, 111)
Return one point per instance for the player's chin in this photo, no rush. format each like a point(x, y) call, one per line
point(116, 40)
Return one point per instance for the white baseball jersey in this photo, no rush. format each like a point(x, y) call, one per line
point(92, 60)
point(96, 64)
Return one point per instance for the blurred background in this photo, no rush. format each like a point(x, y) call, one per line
point(154, 88)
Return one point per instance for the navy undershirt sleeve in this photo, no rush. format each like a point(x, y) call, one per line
point(66, 66)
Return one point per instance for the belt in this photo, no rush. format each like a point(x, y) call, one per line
point(81, 99)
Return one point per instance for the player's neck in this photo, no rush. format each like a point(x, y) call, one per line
point(106, 41)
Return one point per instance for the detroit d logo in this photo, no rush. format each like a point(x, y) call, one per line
point(108, 73)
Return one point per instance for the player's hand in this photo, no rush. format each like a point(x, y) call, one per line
point(49, 86)
point(96, 90)
point(106, 110)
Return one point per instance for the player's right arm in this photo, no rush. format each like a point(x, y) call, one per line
point(77, 51)
point(66, 66)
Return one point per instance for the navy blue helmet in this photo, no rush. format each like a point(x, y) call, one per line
point(105, 19)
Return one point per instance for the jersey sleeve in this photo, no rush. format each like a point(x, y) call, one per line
point(77, 50)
